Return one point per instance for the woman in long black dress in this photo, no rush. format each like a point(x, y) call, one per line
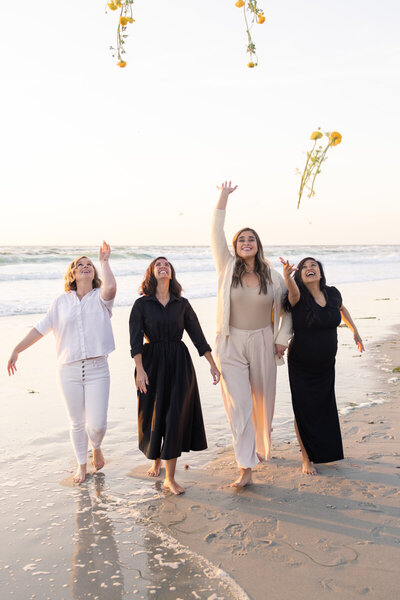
point(170, 420)
point(317, 311)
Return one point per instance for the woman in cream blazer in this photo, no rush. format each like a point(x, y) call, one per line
point(252, 335)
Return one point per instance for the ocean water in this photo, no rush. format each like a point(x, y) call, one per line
point(32, 276)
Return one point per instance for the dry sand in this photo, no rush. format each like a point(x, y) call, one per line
point(296, 536)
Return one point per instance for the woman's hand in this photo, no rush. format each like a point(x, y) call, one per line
point(11, 368)
point(141, 380)
point(288, 269)
point(226, 189)
point(358, 341)
point(280, 350)
point(104, 252)
point(215, 374)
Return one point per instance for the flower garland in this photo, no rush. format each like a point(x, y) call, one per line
point(315, 158)
point(256, 15)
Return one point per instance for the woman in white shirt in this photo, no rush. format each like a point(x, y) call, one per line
point(80, 321)
point(252, 336)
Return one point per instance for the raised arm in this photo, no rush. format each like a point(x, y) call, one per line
point(350, 324)
point(109, 288)
point(293, 290)
point(31, 338)
point(218, 240)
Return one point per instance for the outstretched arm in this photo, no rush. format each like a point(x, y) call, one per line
point(293, 290)
point(109, 288)
point(32, 337)
point(350, 324)
point(219, 246)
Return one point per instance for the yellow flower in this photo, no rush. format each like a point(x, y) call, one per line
point(118, 3)
point(316, 135)
point(239, 3)
point(112, 6)
point(251, 65)
point(130, 20)
point(261, 18)
point(122, 64)
point(123, 21)
point(335, 138)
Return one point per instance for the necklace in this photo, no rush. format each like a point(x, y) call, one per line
point(249, 271)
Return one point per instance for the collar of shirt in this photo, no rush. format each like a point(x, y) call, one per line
point(172, 298)
point(75, 296)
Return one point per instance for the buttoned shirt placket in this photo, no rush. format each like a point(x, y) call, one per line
point(81, 336)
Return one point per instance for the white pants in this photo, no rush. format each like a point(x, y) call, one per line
point(248, 383)
point(85, 385)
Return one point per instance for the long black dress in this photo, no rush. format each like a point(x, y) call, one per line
point(311, 361)
point(170, 419)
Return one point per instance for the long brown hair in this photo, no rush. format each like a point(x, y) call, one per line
point(148, 286)
point(261, 267)
point(70, 279)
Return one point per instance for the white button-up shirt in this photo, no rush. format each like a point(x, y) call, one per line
point(82, 328)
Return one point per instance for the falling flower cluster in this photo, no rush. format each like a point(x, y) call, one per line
point(125, 18)
point(251, 12)
point(315, 157)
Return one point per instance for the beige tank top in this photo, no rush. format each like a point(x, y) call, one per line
point(249, 308)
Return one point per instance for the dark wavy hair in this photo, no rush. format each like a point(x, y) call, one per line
point(311, 307)
point(261, 267)
point(148, 286)
point(70, 275)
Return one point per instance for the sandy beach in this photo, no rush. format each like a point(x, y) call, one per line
point(120, 536)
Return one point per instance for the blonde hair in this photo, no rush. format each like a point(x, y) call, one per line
point(69, 277)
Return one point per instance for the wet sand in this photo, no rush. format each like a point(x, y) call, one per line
point(120, 536)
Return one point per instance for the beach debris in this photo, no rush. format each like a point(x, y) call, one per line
point(186, 467)
point(252, 14)
point(315, 157)
point(31, 391)
point(396, 370)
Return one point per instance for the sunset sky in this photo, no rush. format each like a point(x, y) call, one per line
point(92, 151)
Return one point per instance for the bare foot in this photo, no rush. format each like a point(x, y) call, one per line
point(307, 468)
point(98, 459)
point(174, 487)
point(155, 469)
point(244, 479)
point(260, 457)
point(80, 474)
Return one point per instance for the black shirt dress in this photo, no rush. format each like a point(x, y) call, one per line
point(170, 419)
point(311, 362)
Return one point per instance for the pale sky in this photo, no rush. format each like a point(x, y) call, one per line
point(91, 151)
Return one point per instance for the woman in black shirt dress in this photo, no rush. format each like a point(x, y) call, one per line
point(317, 311)
point(170, 420)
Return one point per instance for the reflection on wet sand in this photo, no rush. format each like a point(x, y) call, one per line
point(96, 571)
point(121, 552)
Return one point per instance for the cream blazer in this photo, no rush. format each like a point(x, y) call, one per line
point(225, 262)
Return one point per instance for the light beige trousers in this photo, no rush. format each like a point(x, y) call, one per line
point(248, 383)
